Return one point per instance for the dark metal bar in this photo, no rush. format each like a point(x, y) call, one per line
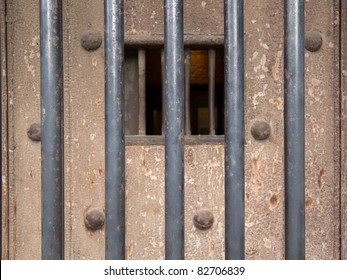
point(51, 129)
point(142, 91)
point(234, 131)
point(1, 183)
point(174, 129)
point(188, 129)
point(211, 88)
point(294, 129)
point(190, 41)
point(115, 150)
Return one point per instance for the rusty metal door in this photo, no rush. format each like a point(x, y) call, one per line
point(84, 131)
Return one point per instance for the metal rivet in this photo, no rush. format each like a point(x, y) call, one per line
point(260, 130)
point(94, 219)
point(313, 41)
point(203, 219)
point(91, 39)
point(34, 132)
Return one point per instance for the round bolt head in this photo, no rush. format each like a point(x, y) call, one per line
point(91, 39)
point(94, 219)
point(34, 132)
point(203, 219)
point(313, 41)
point(260, 130)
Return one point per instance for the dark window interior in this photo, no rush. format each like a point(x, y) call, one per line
point(198, 92)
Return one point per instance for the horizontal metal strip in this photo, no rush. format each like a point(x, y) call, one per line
point(138, 140)
point(191, 41)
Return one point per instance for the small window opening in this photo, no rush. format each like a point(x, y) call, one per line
point(204, 83)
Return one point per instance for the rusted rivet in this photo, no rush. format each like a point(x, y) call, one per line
point(34, 132)
point(260, 130)
point(313, 41)
point(203, 219)
point(91, 39)
point(94, 218)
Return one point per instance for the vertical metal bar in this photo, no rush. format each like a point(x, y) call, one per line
point(174, 129)
point(51, 129)
point(1, 183)
point(142, 91)
point(188, 129)
point(211, 88)
point(234, 130)
point(294, 129)
point(115, 150)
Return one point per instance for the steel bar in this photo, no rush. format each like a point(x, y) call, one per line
point(1, 77)
point(142, 91)
point(234, 130)
point(174, 129)
point(115, 149)
point(294, 129)
point(211, 88)
point(51, 129)
point(188, 130)
point(190, 41)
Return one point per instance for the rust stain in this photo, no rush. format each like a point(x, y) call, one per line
point(128, 252)
point(144, 167)
point(30, 173)
point(278, 102)
point(320, 177)
point(309, 202)
point(257, 175)
point(274, 200)
point(276, 66)
point(190, 157)
point(92, 183)
point(101, 172)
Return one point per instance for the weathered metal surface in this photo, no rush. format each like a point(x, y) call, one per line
point(84, 130)
point(343, 198)
point(264, 180)
point(322, 135)
point(3, 147)
point(204, 188)
point(147, 17)
point(24, 109)
point(294, 129)
point(145, 201)
point(51, 88)
point(191, 41)
point(234, 71)
point(114, 130)
point(174, 130)
point(264, 100)
point(84, 143)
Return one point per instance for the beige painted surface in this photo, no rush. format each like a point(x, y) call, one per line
point(3, 155)
point(146, 17)
point(264, 101)
point(84, 129)
point(322, 135)
point(24, 155)
point(84, 138)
